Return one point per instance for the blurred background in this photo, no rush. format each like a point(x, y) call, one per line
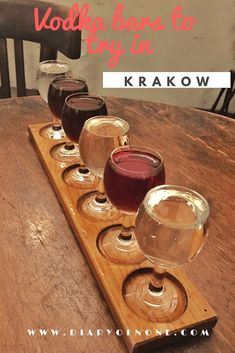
point(208, 47)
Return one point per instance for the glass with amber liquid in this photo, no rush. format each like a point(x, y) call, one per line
point(100, 136)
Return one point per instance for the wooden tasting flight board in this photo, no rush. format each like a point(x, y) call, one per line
point(110, 277)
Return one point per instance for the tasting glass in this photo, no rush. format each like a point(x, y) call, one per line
point(171, 228)
point(78, 108)
point(130, 172)
point(99, 137)
point(47, 70)
point(59, 89)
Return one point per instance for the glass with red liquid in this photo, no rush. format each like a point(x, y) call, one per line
point(60, 88)
point(78, 108)
point(130, 172)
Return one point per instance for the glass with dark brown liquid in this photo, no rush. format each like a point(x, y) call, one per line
point(78, 108)
point(60, 88)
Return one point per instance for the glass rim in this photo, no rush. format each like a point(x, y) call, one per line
point(91, 95)
point(126, 126)
point(138, 148)
point(202, 220)
point(53, 61)
point(41, 63)
point(68, 78)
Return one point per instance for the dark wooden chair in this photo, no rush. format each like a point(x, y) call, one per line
point(17, 22)
point(224, 99)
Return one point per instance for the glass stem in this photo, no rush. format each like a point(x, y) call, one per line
point(82, 168)
point(56, 125)
point(127, 228)
point(100, 192)
point(69, 146)
point(156, 285)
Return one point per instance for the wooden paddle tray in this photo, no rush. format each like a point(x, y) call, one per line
point(198, 314)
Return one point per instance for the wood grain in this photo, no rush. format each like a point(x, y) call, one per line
point(45, 281)
point(111, 277)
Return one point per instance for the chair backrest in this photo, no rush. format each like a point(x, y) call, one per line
point(17, 22)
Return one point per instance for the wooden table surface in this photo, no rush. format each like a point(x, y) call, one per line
point(45, 282)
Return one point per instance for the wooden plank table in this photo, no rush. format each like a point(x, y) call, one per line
point(45, 281)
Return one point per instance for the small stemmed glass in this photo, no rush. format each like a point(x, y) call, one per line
point(47, 70)
point(130, 172)
point(60, 88)
point(171, 228)
point(100, 136)
point(78, 108)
